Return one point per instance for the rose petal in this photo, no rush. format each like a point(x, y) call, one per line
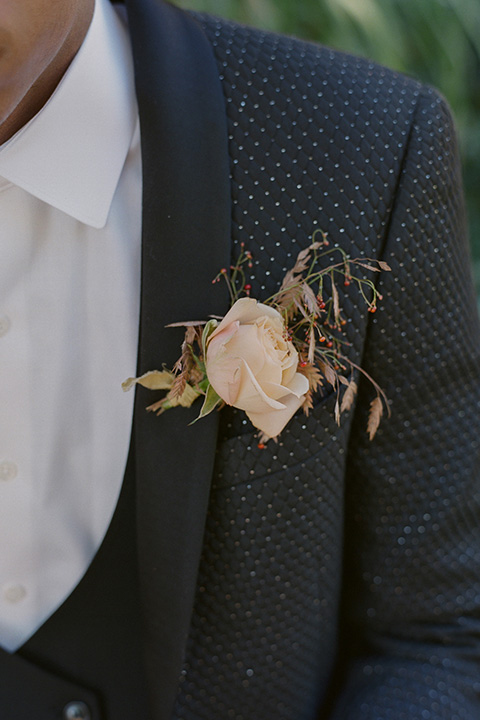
point(224, 335)
point(251, 396)
point(298, 386)
point(246, 310)
point(246, 344)
point(225, 377)
point(273, 422)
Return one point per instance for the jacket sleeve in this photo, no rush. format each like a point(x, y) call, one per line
point(411, 620)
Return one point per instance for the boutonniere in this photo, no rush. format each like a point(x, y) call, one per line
point(269, 358)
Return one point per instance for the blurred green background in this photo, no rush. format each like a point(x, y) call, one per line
point(436, 41)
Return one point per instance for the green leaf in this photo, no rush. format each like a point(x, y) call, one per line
point(212, 400)
point(207, 331)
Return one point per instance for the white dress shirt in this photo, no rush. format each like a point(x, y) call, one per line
point(70, 209)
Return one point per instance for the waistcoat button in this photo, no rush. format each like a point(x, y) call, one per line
point(76, 710)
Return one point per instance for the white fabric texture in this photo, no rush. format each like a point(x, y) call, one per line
point(70, 203)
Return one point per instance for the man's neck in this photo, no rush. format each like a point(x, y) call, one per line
point(40, 92)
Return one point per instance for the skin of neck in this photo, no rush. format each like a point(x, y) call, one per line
point(19, 108)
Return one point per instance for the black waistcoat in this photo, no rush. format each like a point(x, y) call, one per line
point(90, 649)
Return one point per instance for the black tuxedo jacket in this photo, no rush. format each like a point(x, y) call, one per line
point(326, 575)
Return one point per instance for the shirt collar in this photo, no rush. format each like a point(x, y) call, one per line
point(71, 154)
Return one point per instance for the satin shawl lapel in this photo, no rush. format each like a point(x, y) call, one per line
point(186, 240)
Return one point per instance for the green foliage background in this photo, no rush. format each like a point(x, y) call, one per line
point(436, 41)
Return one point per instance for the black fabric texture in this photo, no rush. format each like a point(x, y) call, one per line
point(339, 578)
point(185, 240)
point(325, 519)
point(90, 649)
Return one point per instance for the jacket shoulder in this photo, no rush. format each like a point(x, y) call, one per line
point(257, 61)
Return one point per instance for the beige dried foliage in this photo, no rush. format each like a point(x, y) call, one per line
point(304, 257)
point(288, 281)
point(186, 399)
point(294, 276)
point(311, 345)
point(313, 375)
point(337, 412)
point(310, 299)
point(287, 302)
point(374, 417)
point(178, 386)
point(185, 365)
point(307, 404)
point(349, 395)
point(328, 372)
point(367, 266)
point(188, 323)
point(157, 407)
point(336, 302)
point(152, 380)
point(196, 375)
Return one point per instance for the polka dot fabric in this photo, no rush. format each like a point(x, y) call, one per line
point(340, 577)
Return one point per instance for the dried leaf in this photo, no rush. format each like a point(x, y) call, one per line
point(190, 335)
point(289, 279)
point(374, 417)
point(153, 380)
point(186, 399)
point(307, 404)
point(329, 374)
point(186, 360)
point(336, 302)
point(367, 266)
point(337, 412)
point(196, 375)
point(294, 275)
point(311, 346)
point(303, 260)
point(159, 407)
point(384, 265)
point(309, 298)
point(286, 301)
point(349, 395)
point(313, 375)
point(179, 385)
point(188, 323)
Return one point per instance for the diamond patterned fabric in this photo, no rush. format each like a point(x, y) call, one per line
point(340, 577)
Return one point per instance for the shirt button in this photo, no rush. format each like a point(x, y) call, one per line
point(14, 593)
point(8, 470)
point(4, 325)
point(76, 710)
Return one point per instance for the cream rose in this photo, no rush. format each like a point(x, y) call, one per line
point(251, 365)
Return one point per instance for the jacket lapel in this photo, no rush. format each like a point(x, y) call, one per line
point(186, 240)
